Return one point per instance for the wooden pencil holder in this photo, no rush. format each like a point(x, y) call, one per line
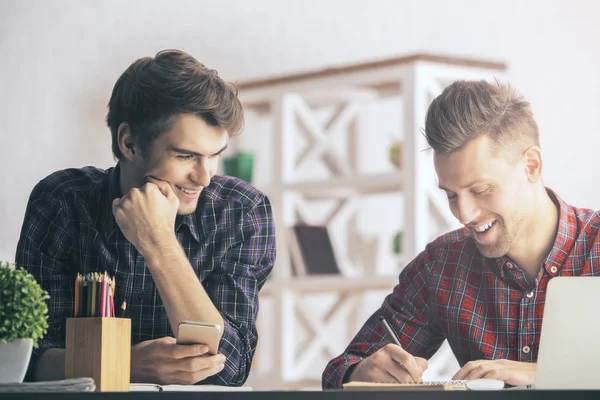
point(99, 348)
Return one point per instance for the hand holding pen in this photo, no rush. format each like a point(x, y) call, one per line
point(391, 363)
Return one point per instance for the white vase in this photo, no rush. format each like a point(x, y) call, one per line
point(14, 359)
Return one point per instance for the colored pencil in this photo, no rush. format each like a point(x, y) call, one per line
point(77, 284)
point(93, 302)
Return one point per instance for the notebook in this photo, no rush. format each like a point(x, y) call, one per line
point(152, 387)
point(430, 385)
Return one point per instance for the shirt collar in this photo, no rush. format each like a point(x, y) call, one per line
point(113, 190)
point(190, 221)
point(563, 241)
point(565, 235)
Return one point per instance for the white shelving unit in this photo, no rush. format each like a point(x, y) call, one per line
point(302, 138)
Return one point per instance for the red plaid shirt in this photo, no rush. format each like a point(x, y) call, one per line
point(486, 308)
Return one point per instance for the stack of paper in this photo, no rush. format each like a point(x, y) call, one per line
point(66, 385)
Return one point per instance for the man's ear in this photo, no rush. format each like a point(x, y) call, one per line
point(533, 163)
point(126, 143)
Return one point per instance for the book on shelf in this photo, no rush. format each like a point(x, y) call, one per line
point(311, 250)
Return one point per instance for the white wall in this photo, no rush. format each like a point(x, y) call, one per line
point(59, 60)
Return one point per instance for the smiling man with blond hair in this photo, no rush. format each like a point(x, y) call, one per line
point(481, 287)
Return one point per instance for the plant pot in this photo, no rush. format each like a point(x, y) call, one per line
point(14, 359)
point(240, 165)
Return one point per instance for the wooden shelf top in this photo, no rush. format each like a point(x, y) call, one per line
point(331, 283)
point(261, 83)
point(337, 187)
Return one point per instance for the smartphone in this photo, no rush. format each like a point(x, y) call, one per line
point(191, 332)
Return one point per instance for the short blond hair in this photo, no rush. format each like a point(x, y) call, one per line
point(466, 110)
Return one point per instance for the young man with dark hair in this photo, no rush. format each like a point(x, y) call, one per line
point(183, 243)
point(481, 287)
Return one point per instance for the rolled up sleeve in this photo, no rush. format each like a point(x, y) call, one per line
point(234, 291)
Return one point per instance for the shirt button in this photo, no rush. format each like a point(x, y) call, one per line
point(510, 265)
point(526, 349)
point(530, 294)
point(553, 269)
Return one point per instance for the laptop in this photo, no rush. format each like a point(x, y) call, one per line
point(569, 353)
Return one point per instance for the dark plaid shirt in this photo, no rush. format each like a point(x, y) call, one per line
point(230, 243)
point(486, 308)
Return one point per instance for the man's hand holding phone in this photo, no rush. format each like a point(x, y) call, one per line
point(166, 362)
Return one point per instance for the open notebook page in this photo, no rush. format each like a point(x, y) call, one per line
point(431, 385)
point(151, 387)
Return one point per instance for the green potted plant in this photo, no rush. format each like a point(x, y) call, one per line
point(240, 164)
point(397, 243)
point(395, 153)
point(23, 320)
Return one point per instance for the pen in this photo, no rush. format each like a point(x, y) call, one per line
point(389, 331)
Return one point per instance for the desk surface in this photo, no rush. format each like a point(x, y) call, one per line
point(313, 395)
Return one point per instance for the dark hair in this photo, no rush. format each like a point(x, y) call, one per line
point(152, 92)
point(467, 109)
